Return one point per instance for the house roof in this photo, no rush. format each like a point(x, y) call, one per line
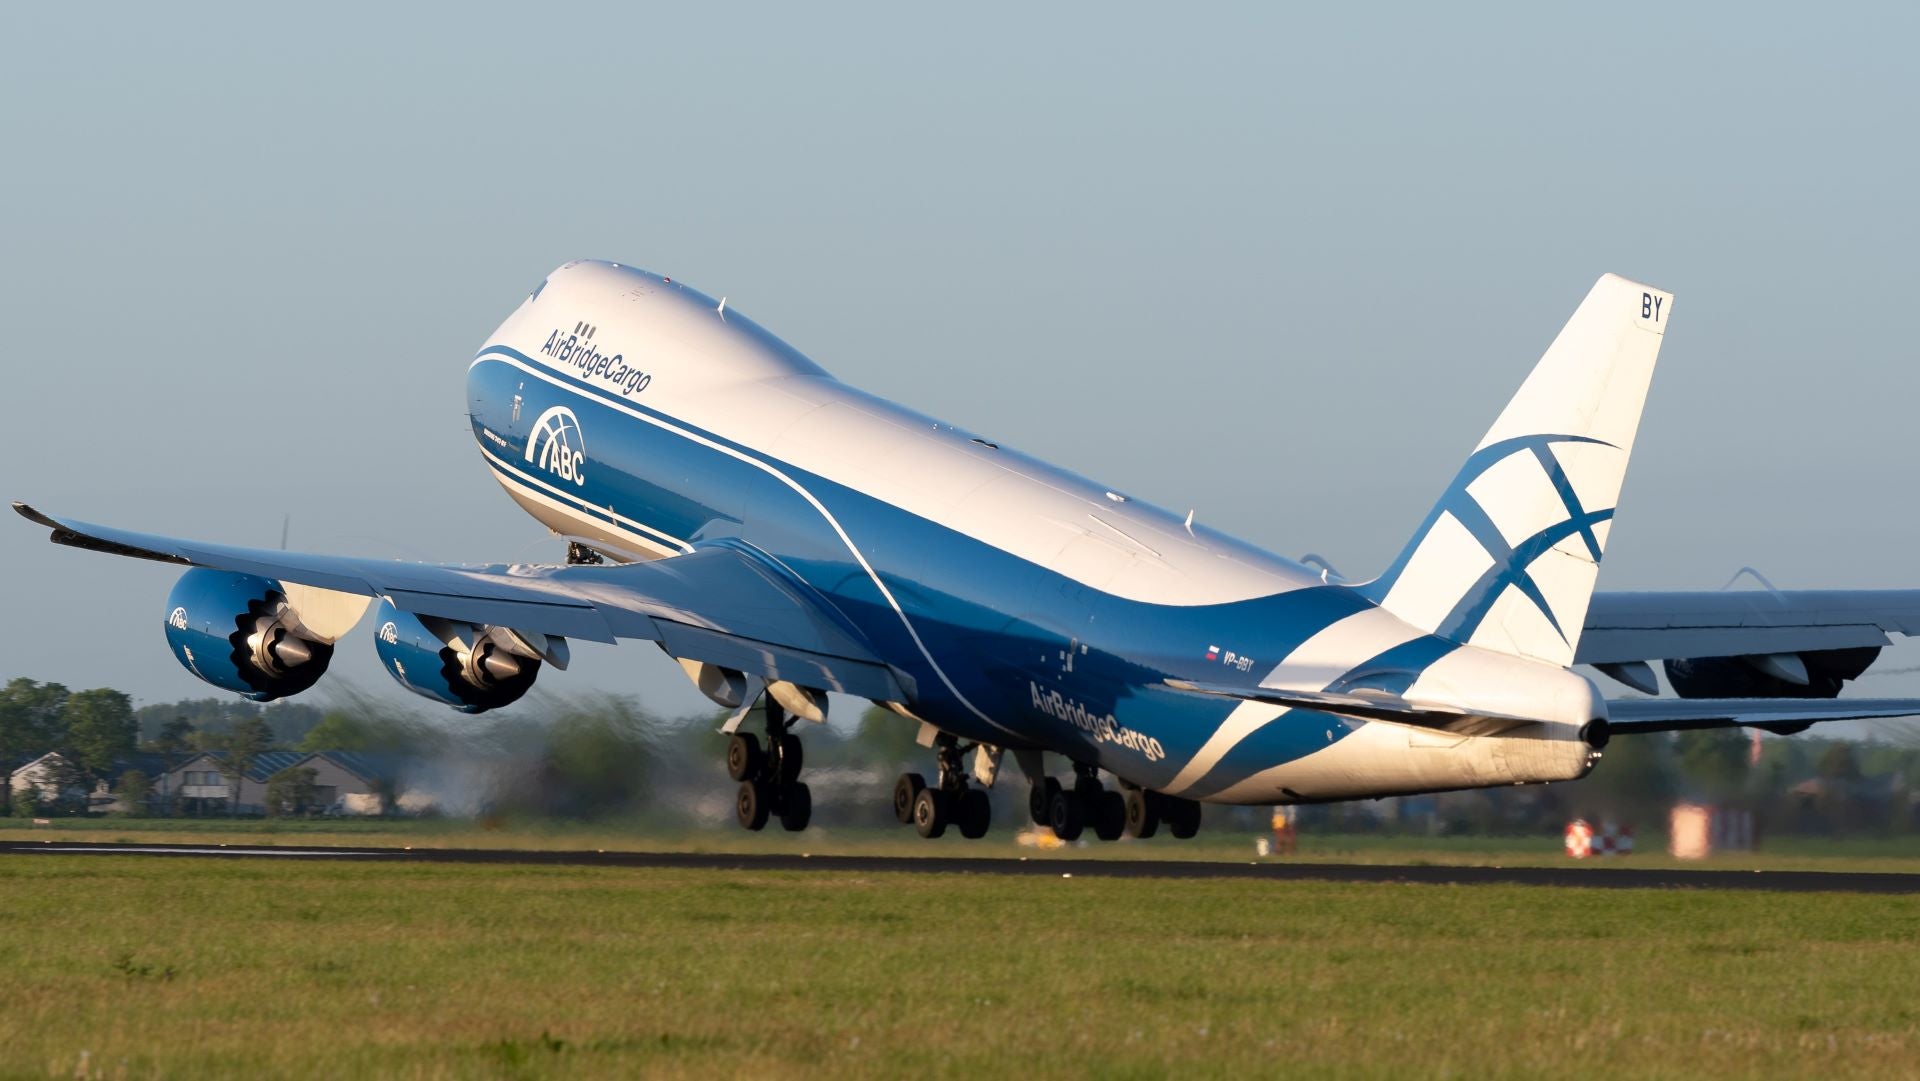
point(369, 766)
point(263, 767)
point(152, 765)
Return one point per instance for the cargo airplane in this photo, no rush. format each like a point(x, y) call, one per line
point(782, 535)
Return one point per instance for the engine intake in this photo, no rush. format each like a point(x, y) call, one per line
point(239, 632)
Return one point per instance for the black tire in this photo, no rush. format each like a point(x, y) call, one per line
point(909, 786)
point(930, 812)
point(1143, 814)
point(744, 756)
point(1183, 818)
point(975, 815)
point(792, 757)
point(752, 804)
point(796, 807)
point(1040, 799)
point(1067, 815)
point(1109, 816)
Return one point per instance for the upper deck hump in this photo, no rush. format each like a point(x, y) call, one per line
point(712, 368)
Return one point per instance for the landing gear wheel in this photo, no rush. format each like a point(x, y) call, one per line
point(744, 757)
point(752, 804)
point(1143, 813)
point(791, 756)
point(976, 814)
point(930, 812)
point(1109, 815)
point(796, 807)
point(1040, 799)
point(905, 791)
point(1183, 817)
point(1066, 815)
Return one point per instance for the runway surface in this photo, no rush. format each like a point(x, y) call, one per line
point(1043, 866)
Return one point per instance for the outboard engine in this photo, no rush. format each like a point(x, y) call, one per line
point(240, 632)
point(1814, 673)
point(473, 669)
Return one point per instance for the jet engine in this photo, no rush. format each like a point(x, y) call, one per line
point(1814, 673)
point(242, 633)
point(473, 669)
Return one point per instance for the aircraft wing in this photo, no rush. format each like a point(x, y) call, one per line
point(1633, 716)
point(723, 605)
point(1626, 627)
point(1625, 716)
point(1366, 705)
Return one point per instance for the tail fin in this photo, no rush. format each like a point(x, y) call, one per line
point(1507, 559)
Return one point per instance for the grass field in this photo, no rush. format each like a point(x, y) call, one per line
point(138, 967)
point(1781, 853)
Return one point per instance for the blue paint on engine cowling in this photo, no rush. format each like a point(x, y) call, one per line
point(209, 616)
point(419, 661)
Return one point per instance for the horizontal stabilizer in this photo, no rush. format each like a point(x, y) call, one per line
point(1634, 716)
point(1368, 706)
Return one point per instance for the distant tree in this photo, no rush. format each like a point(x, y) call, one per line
point(243, 745)
point(292, 791)
point(175, 739)
point(1632, 781)
point(100, 730)
point(597, 758)
point(338, 730)
point(217, 716)
point(359, 729)
point(291, 721)
point(31, 716)
point(1839, 770)
point(134, 790)
point(24, 803)
point(885, 738)
point(1713, 763)
point(1839, 763)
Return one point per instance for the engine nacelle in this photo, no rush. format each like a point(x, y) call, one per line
point(239, 632)
point(1815, 673)
point(473, 669)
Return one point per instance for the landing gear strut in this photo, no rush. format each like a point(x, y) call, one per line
point(950, 801)
point(769, 775)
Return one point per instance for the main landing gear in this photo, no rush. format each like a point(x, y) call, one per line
point(950, 801)
point(1069, 810)
point(1132, 812)
point(769, 775)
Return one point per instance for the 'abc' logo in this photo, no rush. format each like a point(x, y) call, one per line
point(177, 619)
point(557, 446)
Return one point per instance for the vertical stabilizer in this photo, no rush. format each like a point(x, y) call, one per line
point(1507, 559)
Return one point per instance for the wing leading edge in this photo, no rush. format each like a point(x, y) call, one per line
point(724, 605)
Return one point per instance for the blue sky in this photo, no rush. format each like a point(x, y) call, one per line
point(1282, 266)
